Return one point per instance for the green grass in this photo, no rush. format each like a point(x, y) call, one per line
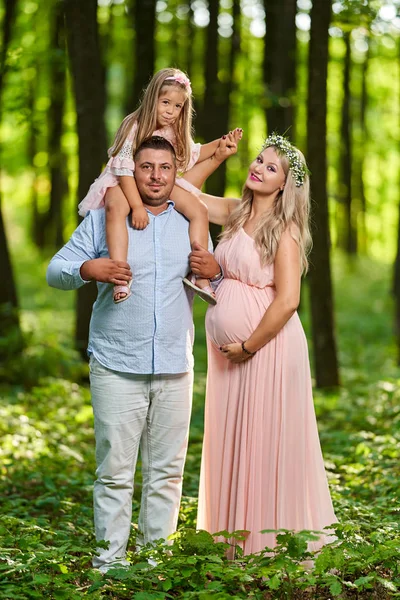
point(47, 465)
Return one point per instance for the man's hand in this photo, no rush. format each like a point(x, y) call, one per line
point(107, 271)
point(202, 262)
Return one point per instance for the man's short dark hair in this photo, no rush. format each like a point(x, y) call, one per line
point(156, 142)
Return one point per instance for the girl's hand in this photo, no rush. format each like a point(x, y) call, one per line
point(140, 218)
point(234, 353)
point(228, 144)
point(237, 134)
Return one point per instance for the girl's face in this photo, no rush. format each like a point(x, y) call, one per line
point(169, 106)
point(266, 175)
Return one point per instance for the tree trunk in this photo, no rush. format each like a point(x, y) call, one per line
point(217, 99)
point(279, 67)
point(54, 224)
point(143, 15)
point(321, 295)
point(363, 236)
point(209, 117)
point(37, 229)
point(396, 279)
point(89, 88)
point(189, 41)
point(347, 156)
point(10, 331)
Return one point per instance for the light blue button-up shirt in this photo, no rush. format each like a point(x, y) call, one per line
point(152, 331)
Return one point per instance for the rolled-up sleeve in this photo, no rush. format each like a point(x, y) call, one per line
point(63, 271)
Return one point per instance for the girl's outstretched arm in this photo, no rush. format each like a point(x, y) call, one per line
point(227, 146)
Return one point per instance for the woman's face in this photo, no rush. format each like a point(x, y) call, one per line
point(266, 175)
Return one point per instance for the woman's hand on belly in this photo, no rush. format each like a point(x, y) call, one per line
point(235, 353)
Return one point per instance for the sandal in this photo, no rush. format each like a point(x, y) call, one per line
point(122, 289)
point(206, 294)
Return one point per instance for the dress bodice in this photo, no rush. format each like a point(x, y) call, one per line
point(240, 260)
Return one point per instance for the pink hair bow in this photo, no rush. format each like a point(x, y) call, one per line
point(183, 80)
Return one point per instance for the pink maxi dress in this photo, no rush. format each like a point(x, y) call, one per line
point(123, 164)
point(262, 465)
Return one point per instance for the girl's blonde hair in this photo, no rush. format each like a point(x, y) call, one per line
point(146, 117)
point(291, 209)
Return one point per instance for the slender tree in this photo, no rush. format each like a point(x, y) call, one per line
point(396, 278)
point(143, 23)
point(279, 66)
point(189, 40)
point(89, 91)
point(323, 330)
point(363, 236)
point(9, 316)
point(53, 221)
point(346, 156)
point(215, 116)
point(37, 229)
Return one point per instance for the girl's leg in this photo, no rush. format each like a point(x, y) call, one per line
point(117, 209)
point(197, 213)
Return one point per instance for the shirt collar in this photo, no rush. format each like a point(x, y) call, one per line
point(171, 205)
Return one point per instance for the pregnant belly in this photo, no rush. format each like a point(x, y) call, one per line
point(238, 311)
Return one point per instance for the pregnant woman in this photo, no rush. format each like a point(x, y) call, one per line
point(262, 466)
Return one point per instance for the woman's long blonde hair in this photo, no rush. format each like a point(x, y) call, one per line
point(291, 209)
point(146, 117)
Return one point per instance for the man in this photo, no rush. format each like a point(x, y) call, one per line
point(141, 363)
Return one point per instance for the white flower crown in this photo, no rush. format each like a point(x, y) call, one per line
point(297, 166)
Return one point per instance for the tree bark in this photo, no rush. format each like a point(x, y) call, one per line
point(189, 41)
point(321, 295)
point(37, 229)
point(279, 66)
point(396, 274)
point(143, 14)
point(217, 99)
point(89, 89)
point(363, 235)
point(54, 223)
point(9, 315)
point(346, 156)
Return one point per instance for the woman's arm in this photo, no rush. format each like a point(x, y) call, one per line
point(284, 305)
point(219, 208)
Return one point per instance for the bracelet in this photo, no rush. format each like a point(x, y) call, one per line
point(247, 351)
point(216, 277)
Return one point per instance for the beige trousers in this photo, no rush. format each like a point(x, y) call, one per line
point(153, 412)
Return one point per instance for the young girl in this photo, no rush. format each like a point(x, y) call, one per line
point(166, 110)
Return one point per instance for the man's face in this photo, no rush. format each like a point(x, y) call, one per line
point(155, 174)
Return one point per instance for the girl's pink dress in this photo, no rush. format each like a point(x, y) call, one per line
point(262, 466)
point(123, 164)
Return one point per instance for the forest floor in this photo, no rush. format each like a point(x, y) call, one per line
point(47, 466)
